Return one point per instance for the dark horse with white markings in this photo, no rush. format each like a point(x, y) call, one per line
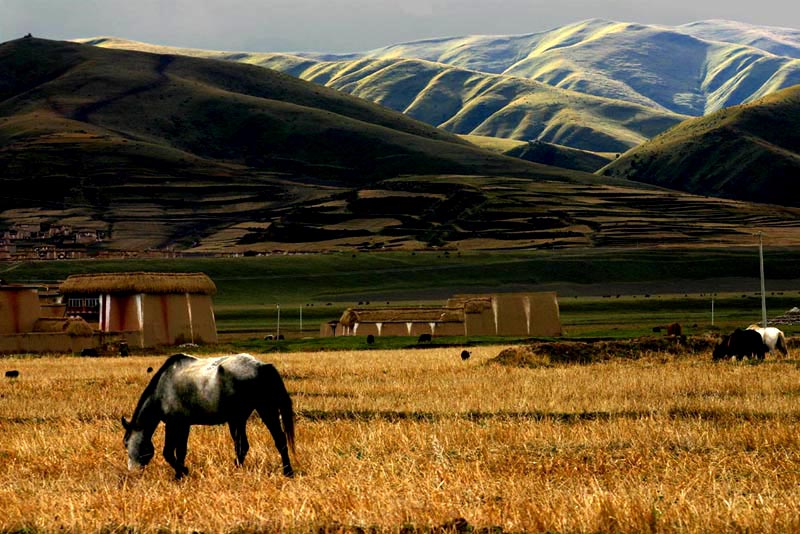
point(741, 343)
point(190, 391)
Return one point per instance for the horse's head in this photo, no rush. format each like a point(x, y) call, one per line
point(138, 444)
point(721, 350)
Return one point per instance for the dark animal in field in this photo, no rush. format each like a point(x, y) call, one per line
point(268, 337)
point(424, 338)
point(675, 330)
point(123, 349)
point(189, 391)
point(90, 352)
point(773, 338)
point(149, 370)
point(370, 339)
point(12, 374)
point(741, 343)
point(465, 354)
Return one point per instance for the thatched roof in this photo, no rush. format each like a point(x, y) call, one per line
point(96, 284)
point(401, 315)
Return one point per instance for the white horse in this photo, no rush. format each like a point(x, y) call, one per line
point(772, 337)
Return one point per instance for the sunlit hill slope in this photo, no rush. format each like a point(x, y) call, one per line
point(464, 101)
point(748, 152)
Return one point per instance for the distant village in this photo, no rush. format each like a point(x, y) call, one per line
point(47, 242)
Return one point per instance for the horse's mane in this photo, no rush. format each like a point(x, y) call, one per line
point(151, 387)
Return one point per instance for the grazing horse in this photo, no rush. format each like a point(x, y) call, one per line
point(189, 391)
point(674, 330)
point(773, 338)
point(740, 343)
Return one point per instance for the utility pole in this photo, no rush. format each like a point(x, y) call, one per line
point(712, 309)
point(763, 291)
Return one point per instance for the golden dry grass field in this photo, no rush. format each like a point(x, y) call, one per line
point(394, 440)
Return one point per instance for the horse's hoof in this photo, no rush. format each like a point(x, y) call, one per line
point(180, 473)
point(288, 472)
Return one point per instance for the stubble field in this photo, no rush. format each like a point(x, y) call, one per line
point(418, 439)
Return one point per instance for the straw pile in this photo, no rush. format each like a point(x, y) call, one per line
point(73, 326)
point(546, 354)
point(138, 282)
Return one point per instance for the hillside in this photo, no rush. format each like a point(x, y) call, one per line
point(464, 101)
point(546, 153)
point(159, 149)
point(748, 152)
point(173, 152)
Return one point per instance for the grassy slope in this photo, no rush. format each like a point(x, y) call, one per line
point(547, 153)
point(162, 147)
point(748, 152)
point(465, 101)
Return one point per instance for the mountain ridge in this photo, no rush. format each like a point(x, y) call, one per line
point(547, 81)
point(463, 101)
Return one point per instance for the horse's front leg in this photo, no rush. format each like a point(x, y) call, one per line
point(240, 444)
point(176, 437)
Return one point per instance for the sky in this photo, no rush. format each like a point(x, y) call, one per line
point(348, 25)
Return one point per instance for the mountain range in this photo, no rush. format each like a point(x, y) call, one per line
point(171, 151)
point(162, 148)
point(595, 85)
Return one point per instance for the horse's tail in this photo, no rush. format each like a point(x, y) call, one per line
point(283, 402)
point(781, 344)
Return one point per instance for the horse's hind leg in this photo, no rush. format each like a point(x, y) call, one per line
point(240, 444)
point(176, 437)
point(273, 422)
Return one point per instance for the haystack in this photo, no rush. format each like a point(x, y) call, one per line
point(73, 326)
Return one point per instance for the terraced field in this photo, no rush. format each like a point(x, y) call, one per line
point(506, 213)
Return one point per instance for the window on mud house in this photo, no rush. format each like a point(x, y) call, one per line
point(86, 307)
